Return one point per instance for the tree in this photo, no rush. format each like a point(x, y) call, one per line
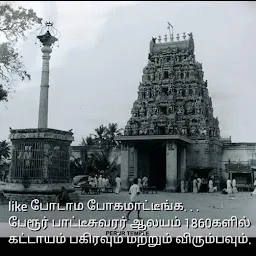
point(5, 151)
point(104, 136)
point(88, 141)
point(14, 23)
point(100, 136)
point(83, 164)
point(111, 132)
point(104, 162)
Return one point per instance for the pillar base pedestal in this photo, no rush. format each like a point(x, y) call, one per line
point(44, 192)
point(40, 164)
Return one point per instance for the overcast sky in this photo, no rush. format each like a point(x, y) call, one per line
point(96, 71)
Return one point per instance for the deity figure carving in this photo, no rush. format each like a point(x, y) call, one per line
point(157, 76)
point(184, 131)
point(142, 112)
point(152, 44)
point(147, 94)
point(192, 131)
point(145, 70)
point(152, 77)
point(204, 132)
point(171, 109)
point(152, 129)
point(178, 74)
point(134, 129)
point(180, 110)
point(170, 129)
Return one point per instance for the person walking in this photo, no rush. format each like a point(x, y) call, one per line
point(134, 192)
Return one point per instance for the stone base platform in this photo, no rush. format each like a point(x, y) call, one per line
point(43, 192)
point(43, 198)
point(3, 199)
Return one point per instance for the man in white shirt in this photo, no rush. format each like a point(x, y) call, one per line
point(118, 184)
point(134, 196)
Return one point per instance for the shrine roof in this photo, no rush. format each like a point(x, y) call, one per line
point(158, 46)
point(182, 45)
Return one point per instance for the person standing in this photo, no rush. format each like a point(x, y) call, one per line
point(195, 186)
point(182, 186)
point(229, 186)
point(134, 192)
point(210, 186)
point(145, 182)
point(199, 183)
point(118, 184)
point(96, 181)
point(103, 184)
point(140, 183)
point(100, 183)
point(107, 182)
point(234, 188)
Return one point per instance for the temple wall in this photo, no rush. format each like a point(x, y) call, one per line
point(243, 153)
point(204, 154)
point(239, 152)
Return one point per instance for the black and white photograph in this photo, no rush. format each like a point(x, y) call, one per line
point(128, 119)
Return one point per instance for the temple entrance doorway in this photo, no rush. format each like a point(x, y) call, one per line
point(152, 163)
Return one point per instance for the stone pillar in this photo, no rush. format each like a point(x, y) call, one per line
point(135, 163)
point(183, 163)
point(171, 167)
point(124, 167)
point(47, 41)
point(43, 104)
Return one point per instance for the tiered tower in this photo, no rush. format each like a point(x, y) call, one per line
point(173, 96)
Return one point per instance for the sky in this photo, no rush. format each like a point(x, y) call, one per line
point(103, 48)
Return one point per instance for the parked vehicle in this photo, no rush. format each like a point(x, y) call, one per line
point(80, 180)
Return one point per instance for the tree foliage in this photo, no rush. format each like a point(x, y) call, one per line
point(5, 151)
point(104, 136)
point(14, 23)
point(102, 161)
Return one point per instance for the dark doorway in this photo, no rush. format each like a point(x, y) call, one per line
point(157, 154)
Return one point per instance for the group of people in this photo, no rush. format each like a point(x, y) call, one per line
point(142, 183)
point(231, 187)
point(203, 185)
point(99, 182)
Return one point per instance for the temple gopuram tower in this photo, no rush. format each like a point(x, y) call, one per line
point(172, 134)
